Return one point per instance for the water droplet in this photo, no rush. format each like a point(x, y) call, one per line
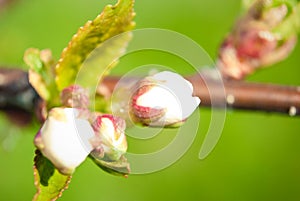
point(292, 111)
point(230, 99)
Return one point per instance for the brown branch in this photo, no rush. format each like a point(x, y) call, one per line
point(240, 95)
point(6, 3)
point(18, 97)
point(249, 96)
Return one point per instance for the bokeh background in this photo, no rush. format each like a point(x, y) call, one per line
point(257, 157)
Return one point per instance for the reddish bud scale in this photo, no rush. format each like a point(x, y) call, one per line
point(98, 122)
point(162, 99)
point(110, 141)
point(145, 113)
point(119, 124)
point(255, 45)
point(75, 96)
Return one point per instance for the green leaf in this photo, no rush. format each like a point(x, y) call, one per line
point(102, 104)
point(111, 22)
point(101, 61)
point(50, 183)
point(118, 168)
point(41, 75)
point(286, 27)
point(291, 25)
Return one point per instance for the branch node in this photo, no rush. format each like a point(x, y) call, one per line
point(230, 99)
point(293, 111)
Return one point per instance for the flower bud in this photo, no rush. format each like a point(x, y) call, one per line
point(266, 34)
point(64, 139)
point(75, 96)
point(111, 141)
point(164, 99)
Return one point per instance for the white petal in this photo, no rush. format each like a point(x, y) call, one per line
point(182, 89)
point(173, 93)
point(66, 143)
point(108, 129)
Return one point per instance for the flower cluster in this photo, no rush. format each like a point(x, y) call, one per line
point(71, 133)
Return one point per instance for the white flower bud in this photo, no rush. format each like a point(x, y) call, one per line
point(164, 99)
point(110, 131)
point(64, 139)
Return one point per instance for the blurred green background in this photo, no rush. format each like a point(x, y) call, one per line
point(257, 157)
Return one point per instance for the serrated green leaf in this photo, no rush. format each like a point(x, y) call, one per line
point(50, 183)
point(118, 168)
point(37, 72)
point(111, 22)
point(41, 75)
point(101, 61)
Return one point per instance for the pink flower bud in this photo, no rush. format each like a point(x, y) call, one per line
point(65, 139)
point(164, 99)
point(256, 44)
point(259, 39)
point(75, 96)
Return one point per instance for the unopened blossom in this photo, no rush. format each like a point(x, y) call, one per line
point(163, 99)
point(111, 141)
point(266, 34)
point(75, 96)
point(65, 139)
